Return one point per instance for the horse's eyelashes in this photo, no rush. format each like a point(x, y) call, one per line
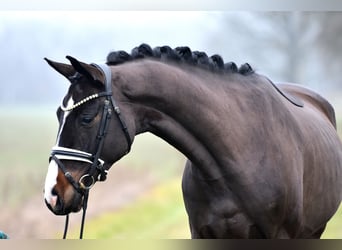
point(87, 119)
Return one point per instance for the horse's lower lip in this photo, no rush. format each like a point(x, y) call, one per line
point(75, 207)
point(48, 205)
point(55, 210)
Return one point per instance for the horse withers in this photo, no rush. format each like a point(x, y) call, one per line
point(264, 161)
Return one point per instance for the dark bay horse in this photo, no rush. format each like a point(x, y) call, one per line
point(264, 161)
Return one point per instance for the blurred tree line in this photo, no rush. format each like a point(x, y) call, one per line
point(301, 47)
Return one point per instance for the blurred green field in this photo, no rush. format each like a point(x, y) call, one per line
point(26, 139)
point(157, 214)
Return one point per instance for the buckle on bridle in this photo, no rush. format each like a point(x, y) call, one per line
point(87, 182)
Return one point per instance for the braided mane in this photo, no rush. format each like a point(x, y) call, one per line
point(181, 55)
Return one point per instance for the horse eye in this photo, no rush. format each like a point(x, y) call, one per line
point(86, 120)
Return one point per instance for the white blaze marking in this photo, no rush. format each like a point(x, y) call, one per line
point(50, 182)
point(65, 115)
point(51, 176)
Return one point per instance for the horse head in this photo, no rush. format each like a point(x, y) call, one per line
point(92, 135)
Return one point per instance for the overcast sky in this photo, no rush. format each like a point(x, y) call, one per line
point(26, 37)
point(121, 29)
point(252, 5)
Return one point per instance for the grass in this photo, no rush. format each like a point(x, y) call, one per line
point(152, 154)
point(334, 227)
point(26, 140)
point(339, 126)
point(157, 214)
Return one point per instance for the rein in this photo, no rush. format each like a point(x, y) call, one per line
point(97, 171)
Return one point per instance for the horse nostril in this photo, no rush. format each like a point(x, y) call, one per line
point(54, 192)
point(54, 203)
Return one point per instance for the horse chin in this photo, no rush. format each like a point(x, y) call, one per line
point(77, 207)
point(76, 204)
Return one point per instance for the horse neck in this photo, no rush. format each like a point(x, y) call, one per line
point(180, 107)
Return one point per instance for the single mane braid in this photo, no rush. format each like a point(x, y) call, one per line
point(181, 55)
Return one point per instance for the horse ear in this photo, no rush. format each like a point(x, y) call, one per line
point(88, 70)
point(64, 69)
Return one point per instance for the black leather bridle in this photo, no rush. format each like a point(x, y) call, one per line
point(97, 171)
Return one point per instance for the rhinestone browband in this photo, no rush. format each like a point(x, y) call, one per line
point(87, 99)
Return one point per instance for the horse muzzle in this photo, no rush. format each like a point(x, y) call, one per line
point(60, 206)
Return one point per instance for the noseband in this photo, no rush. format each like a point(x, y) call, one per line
point(97, 171)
